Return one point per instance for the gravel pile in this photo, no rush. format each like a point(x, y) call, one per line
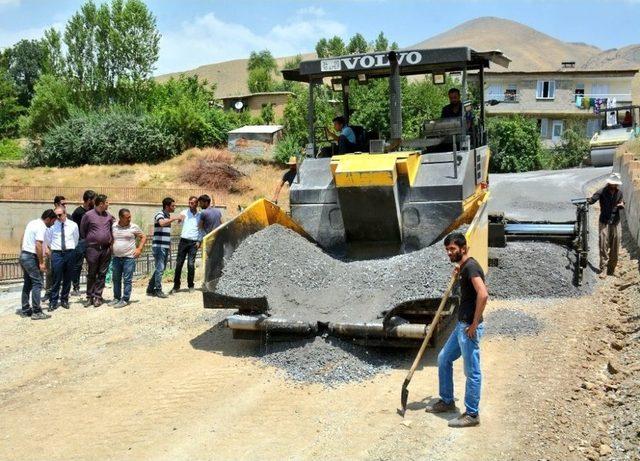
point(536, 269)
point(329, 361)
point(301, 282)
point(511, 323)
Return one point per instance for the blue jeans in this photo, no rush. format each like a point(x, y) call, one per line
point(160, 256)
point(459, 344)
point(122, 268)
point(63, 266)
point(32, 282)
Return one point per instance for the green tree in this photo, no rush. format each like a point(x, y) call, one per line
point(570, 152)
point(26, 60)
point(111, 52)
point(51, 105)
point(515, 144)
point(293, 63)
point(357, 44)
point(54, 64)
point(336, 47)
point(394, 46)
point(260, 80)
point(381, 43)
point(10, 109)
point(322, 48)
point(262, 60)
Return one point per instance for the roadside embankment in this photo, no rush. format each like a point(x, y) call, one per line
point(627, 163)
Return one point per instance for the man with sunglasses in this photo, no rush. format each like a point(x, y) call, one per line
point(62, 239)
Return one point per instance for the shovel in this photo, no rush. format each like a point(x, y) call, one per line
point(405, 386)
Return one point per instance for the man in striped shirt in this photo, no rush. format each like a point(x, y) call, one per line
point(161, 245)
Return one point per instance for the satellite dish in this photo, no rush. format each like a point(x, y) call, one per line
point(238, 105)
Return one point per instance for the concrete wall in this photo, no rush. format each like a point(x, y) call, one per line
point(628, 165)
point(16, 215)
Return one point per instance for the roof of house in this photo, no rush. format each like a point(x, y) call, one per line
point(267, 129)
point(622, 72)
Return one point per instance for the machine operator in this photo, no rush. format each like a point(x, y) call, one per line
point(346, 139)
point(455, 107)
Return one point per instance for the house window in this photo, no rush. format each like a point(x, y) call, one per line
point(578, 92)
point(556, 130)
point(495, 92)
point(511, 93)
point(546, 89)
point(544, 128)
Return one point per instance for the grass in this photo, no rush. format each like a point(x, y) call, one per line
point(10, 150)
point(260, 179)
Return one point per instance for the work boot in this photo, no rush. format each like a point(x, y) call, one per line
point(173, 291)
point(65, 304)
point(88, 302)
point(52, 307)
point(160, 294)
point(40, 316)
point(465, 420)
point(97, 302)
point(440, 407)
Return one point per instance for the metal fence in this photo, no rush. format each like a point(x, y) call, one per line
point(114, 194)
point(11, 271)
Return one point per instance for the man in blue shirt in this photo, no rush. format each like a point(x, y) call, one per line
point(346, 139)
point(190, 239)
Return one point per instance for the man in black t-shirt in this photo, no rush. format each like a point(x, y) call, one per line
point(288, 178)
point(87, 204)
point(609, 232)
point(465, 339)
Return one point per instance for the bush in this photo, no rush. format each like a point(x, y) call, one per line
point(515, 145)
point(10, 150)
point(286, 148)
point(51, 105)
point(569, 153)
point(183, 108)
point(214, 171)
point(103, 138)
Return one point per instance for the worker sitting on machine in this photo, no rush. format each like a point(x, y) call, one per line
point(346, 139)
point(455, 107)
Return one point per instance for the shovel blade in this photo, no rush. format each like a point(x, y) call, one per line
point(404, 396)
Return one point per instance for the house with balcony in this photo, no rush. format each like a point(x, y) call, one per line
point(558, 99)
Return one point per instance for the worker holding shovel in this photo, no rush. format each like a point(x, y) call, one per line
point(465, 338)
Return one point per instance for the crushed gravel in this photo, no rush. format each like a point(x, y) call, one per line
point(329, 361)
point(536, 269)
point(301, 282)
point(511, 323)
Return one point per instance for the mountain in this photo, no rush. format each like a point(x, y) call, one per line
point(528, 49)
point(230, 77)
point(618, 58)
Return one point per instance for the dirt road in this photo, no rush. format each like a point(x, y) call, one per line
point(159, 380)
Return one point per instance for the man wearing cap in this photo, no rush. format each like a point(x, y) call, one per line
point(610, 200)
point(288, 177)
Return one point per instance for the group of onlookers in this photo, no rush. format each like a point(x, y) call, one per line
point(58, 245)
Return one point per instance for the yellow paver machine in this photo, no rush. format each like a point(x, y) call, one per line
point(390, 197)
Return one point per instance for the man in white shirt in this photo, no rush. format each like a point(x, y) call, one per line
point(62, 239)
point(32, 262)
point(190, 239)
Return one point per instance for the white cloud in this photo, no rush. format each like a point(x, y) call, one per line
point(11, 37)
point(9, 2)
point(208, 39)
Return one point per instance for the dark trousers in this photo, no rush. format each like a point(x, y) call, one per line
point(80, 251)
point(63, 265)
point(187, 249)
point(98, 259)
point(122, 270)
point(48, 279)
point(160, 256)
point(32, 282)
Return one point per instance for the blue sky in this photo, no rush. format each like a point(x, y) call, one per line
point(196, 32)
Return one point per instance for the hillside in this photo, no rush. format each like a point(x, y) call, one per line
point(230, 77)
point(528, 48)
point(627, 57)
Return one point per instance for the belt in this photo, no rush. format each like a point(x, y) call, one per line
point(63, 251)
point(28, 253)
